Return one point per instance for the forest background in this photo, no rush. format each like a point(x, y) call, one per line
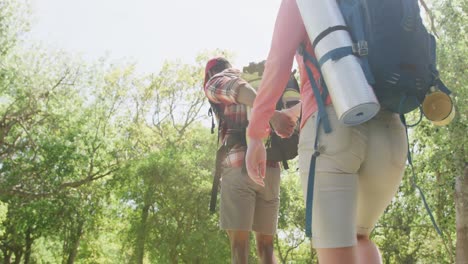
point(100, 163)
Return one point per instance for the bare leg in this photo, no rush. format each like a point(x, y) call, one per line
point(367, 251)
point(265, 248)
point(239, 246)
point(346, 255)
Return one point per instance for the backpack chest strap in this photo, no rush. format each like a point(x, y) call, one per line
point(336, 54)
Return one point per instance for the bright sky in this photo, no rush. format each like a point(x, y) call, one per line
point(151, 31)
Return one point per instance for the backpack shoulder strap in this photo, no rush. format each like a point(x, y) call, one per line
point(222, 151)
point(322, 118)
point(319, 97)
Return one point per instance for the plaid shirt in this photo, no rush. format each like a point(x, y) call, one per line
point(222, 90)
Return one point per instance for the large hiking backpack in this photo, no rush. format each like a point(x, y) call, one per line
point(397, 55)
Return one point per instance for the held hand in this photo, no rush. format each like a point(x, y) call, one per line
point(256, 160)
point(293, 112)
point(283, 123)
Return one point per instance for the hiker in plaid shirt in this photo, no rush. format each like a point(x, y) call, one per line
point(244, 205)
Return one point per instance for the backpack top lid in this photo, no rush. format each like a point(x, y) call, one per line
point(291, 96)
point(253, 73)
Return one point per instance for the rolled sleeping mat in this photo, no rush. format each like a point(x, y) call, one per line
point(352, 96)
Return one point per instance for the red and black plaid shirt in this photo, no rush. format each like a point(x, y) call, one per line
point(222, 90)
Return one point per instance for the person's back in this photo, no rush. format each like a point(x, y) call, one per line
point(357, 169)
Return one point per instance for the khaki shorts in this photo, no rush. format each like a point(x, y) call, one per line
point(248, 206)
point(357, 174)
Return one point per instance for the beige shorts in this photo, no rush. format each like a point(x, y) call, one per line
point(248, 206)
point(357, 174)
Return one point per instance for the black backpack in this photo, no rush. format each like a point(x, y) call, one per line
point(277, 148)
point(284, 149)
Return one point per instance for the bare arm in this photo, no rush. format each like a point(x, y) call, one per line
point(288, 34)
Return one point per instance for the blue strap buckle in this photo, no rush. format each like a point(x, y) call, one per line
point(360, 48)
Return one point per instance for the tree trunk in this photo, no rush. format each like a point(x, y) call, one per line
point(73, 250)
point(278, 248)
point(6, 256)
point(29, 242)
point(439, 194)
point(141, 236)
point(18, 255)
point(461, 206)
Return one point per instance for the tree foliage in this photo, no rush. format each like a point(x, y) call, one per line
point(101, 164)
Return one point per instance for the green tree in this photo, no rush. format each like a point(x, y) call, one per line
point(291, 244)
point(62, 129)
point(171, 222)
point(452, 19)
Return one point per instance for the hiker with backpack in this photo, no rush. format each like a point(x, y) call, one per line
point(244, 206)
point(357, 169)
